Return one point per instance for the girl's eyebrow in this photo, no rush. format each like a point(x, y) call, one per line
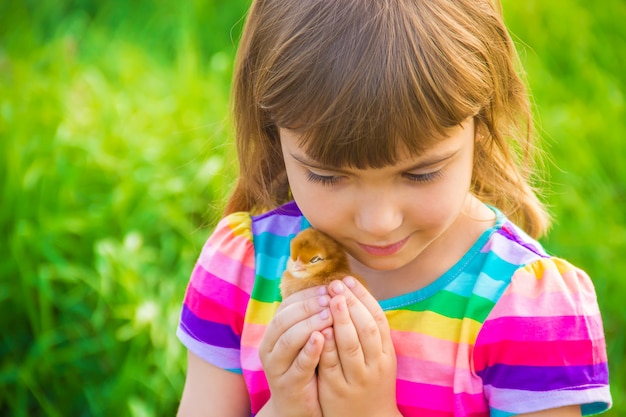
point(432, 160)
point(313, 164)
point(428, 162)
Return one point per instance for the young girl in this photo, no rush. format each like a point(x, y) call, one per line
point(401, 129)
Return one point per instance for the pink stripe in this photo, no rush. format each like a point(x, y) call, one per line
point(258, 400)
point(555, 353)
point(541, 329)
point(546, 304)
point(551, 275)
point(205, 285)
point(421, 412)
point(414, 394)
point(426, 359)
point(408, 411)
point(250, 358)
point(252, 335)
point(257, 381)
point(424, 372)
point(230, 270)
point(209, 309)
point(440, 399)
point(427, 347)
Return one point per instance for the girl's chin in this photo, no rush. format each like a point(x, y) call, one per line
point(381, 264)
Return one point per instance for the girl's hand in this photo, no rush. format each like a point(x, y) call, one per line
point(290, 352)
point(357, 368)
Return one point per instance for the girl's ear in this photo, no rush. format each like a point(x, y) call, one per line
point(481, 133)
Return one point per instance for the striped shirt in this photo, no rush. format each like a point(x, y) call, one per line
point(507, 330)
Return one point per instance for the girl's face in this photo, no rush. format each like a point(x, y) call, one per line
point(385, 217)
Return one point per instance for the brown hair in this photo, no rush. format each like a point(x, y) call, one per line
point(358, 78)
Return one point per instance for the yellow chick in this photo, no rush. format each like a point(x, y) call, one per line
point(315, 259)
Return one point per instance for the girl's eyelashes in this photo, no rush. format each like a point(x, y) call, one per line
point(330, 180)
point(322, 179)
point(424, 178)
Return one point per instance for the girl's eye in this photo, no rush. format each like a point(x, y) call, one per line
point(323, 179)
point(424, 178)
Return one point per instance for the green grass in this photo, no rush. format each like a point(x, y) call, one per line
point(115, 161)
point(574, 53)
point(113, 166)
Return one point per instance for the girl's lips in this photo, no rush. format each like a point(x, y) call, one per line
point(384, 250)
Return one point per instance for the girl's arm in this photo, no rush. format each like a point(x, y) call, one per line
point(212, 392)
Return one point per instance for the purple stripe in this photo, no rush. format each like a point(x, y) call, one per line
point(509, 231)
point(287, 209)
point(209, 332)
point(500, 245)
point(545, 378)
point(288, 221)
point(224, 358)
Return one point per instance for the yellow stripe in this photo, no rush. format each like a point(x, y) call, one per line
point(241, 224)
point(427, 323)
point(260, 312)
point(435, 325)
point(539, 267)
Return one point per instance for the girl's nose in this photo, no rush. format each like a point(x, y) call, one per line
point(378, 216)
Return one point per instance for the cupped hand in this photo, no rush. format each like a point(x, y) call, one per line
point(357, 367)
point(290, 352)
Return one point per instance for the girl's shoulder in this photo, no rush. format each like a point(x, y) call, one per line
point(246, 239)
point(244, 228)
point(534, 269)
point(284, 220)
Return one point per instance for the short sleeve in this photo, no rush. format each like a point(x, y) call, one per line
point(542, 346)
point(218, 294)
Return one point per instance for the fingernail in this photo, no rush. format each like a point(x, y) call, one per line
point(322, 290)
point(323, 301)
point(337, 287)
point(324, 314)
point(350, 282)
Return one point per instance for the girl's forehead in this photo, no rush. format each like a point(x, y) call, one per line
point(296, 146)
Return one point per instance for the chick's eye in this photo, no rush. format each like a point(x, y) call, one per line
point(316, 259)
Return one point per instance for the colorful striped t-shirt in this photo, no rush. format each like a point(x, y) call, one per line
point(507, 330)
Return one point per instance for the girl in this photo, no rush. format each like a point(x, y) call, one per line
point(401, 129)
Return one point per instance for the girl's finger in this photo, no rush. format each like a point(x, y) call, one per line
point(309, 357)
point(298, 296)
point(346, 337)
point(366, 327)
point(361, 293)
point(290, 329)
point(298, 307)
point(330, 366)
point(289, 345)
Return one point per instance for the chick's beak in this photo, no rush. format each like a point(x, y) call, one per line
point(297, 265)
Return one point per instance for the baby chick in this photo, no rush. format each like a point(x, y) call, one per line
point(315, 259)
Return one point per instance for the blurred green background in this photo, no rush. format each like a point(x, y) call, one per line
point(115, 161)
